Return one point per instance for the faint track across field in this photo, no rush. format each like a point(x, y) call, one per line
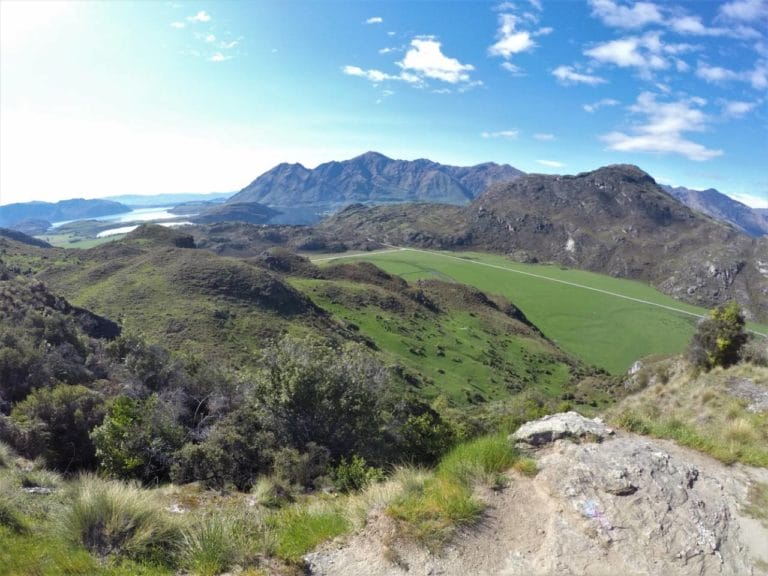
point(393, 248)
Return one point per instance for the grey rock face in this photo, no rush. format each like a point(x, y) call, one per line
point(557, 426)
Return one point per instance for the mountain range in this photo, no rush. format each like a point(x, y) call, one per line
point(615, 220)
point(75, 209)
point(714, 203)
point(372, 178)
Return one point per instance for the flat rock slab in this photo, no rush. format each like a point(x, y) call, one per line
point(557, 426)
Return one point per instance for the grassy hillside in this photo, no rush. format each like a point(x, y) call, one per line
point(453, 341)
point(722, 412)
point(571, 307)
point(468, 347)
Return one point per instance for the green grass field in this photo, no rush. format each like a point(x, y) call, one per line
point(572, 307)
point(470, 356)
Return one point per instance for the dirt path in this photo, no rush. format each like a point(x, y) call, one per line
point(627, 506)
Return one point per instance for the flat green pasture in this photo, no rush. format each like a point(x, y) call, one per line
point(609, 322)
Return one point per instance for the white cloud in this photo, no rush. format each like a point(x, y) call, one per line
point(377, 76)
point(210, 38)
point(219, 57)
point(551, 163)
point(757, 77)
point(232, 44)
point(614, 14)
point(595, 106)
point(425, 58)
point(647, 53)
point(374, 20)
point(201, 16)
point(568, 75)
point(510, 41)
point(508, 134)
point(715, 73)
point(745, 10)
point(512, 69)
point(737, 108)
point(663, 129)
point(178, 25)
point(543, 137)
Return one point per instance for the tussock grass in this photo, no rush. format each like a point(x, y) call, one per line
point(6, 455)
point(117, 518)
point(300, 528)
point(431, 507)
point(757, 506)
point(697, 410)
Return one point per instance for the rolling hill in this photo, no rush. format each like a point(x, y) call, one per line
point(445, 339)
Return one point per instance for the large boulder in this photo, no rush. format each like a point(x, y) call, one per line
point(564, 425)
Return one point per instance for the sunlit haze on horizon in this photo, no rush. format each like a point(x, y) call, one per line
point(107, 98)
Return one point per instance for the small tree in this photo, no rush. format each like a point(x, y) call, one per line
point(719, 338)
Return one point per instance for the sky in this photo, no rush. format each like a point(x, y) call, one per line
point(106, 97)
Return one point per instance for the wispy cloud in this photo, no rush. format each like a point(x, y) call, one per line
point(508, 134)
point(757, 77)
point(618, 16)
point(751, 200)
point(647, 53)
point(374, 20)
point(551, 163)
point(178, 25)
point(569, 75)
point(544, 137)
point(737, 108)
point(663, 129)
point(510, 40)
point(219, 57)
point(425, 58)
point(744, 10)
point(595, 106)
point(377, 76)
point(201, 16)
point(513, 69)
point(210, 38)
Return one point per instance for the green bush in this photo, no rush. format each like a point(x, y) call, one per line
point(355, 474)
point(719, 338)
point(237, 451)
point(110, 517)
point(137, 439)
point(55, 423)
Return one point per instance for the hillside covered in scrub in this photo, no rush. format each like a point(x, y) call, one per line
point(165, 407)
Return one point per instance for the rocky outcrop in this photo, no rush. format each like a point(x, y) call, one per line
point(626, 505)
point(558, 426)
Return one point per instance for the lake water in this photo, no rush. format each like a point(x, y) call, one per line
point(138, 215)
point(126, 229)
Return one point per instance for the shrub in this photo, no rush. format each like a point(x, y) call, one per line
point(110, 517)
point(236, 452)
point(301, 468)
point(355, 474)
point(55, 423)
point(137, 439)
point(719, 338)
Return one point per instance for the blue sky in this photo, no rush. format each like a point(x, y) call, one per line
point(102, 98)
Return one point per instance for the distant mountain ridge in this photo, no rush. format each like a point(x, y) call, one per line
point(716, 204)
point(372, 178)
point(75, 209)
point(614, 220)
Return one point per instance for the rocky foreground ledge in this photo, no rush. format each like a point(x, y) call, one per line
point(603, 503)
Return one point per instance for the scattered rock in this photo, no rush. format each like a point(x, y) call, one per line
point(557, 426)
point(746, 389)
